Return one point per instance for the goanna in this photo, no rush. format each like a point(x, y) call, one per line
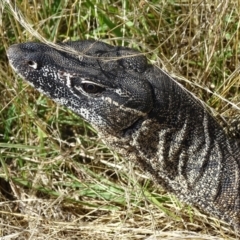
point(142, 113)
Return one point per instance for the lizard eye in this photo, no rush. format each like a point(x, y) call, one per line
point(92, 88)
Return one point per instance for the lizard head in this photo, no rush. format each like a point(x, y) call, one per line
point(105, 85)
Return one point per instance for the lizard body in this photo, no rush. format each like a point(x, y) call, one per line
point(144, 114)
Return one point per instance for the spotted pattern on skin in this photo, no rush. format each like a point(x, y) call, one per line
point(145, 115)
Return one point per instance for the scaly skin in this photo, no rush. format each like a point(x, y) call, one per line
point(145, 115)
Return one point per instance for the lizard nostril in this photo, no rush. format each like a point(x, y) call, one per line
point(32, 64)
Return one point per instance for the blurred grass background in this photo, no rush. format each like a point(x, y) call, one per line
point(57, 179)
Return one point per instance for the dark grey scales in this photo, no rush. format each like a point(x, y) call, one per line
point(142, 113)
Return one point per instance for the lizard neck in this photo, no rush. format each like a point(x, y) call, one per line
point(184, 149)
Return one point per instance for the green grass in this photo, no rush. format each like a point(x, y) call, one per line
point(57, 179)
